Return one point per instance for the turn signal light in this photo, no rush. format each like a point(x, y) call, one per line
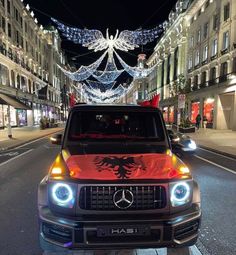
point(56, 171)
point(184, 170)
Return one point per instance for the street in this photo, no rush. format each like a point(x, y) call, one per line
point(22, 169)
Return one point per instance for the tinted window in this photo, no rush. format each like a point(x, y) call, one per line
point(115, 125)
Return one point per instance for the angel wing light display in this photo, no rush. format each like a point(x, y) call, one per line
point(94, 40)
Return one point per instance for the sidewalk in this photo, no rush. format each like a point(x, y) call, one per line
point(223, 141)
point(23, 135)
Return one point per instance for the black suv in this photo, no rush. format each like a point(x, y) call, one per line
point(117, 184)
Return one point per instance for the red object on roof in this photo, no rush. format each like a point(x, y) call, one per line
point(72, 100)
point(154, 102)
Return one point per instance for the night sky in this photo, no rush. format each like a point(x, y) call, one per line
point(102, 14)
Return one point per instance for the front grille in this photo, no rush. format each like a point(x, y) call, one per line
point(101, 198)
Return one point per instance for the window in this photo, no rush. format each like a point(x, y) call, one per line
point(3, 3)
point(205, 31)
point(168, 70)
point(4, 24)
point(205, 53)
point(199, 36)
point(9, 29)
point(26, 27)
point(162, 73)
point(192, 19)
point(197, 58)
point(199, 12)
point(226, 11)
point(214, 47)
point(176, 62)
point(226, 40)
point(213, 74)
point(224, 69)
point(191, 41)
point(8, 6)
point(103, 125)
point(203, 78)
point(215, 21)
point(17, 38)
point(207, 3)
point(190, 62)
point(195, 82)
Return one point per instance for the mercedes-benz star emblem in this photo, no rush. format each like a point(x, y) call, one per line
point(123, 198)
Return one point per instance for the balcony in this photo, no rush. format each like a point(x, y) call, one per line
point(213, 57)
point(223, 78)
point(224, 51)
point(204, 62)
point(213, 82)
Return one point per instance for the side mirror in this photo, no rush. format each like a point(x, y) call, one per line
point(174, 139)
point(56, 139)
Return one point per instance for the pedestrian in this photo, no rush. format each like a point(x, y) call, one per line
point(204, 122)
point(198, 121)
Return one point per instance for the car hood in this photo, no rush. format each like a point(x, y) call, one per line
point(111, 167)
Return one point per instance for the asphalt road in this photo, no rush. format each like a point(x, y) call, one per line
point(22, 169)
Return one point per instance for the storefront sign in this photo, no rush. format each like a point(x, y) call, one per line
point(181, 101)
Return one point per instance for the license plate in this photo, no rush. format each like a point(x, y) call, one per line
point(131, 230)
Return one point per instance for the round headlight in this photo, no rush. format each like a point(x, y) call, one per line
point(180, 193)
point(62, 193)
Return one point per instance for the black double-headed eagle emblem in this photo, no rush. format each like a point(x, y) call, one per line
point(121, 166)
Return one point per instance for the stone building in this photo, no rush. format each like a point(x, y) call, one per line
point(30, 80)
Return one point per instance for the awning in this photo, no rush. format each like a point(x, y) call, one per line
point(8, 100)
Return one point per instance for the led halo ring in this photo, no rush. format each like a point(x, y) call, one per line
point(173, 196)
point(62, 185)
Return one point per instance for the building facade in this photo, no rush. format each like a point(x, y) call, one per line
point(211, 62)
point(196, 56)
point(30, 81)
point(169, 57)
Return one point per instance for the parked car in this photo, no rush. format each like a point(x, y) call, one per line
point(181, 144)
point(116, 184)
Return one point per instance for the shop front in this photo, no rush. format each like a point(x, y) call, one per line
point(195, 110)
point(208, 111)
point(14, 110)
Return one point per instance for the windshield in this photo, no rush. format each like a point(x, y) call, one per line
point(115, 125)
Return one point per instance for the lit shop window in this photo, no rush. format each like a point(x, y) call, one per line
point(208, 110)
point(194, 111)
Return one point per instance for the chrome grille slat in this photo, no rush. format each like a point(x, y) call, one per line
point(101, 198)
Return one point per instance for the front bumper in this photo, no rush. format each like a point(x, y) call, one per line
point(180, 229)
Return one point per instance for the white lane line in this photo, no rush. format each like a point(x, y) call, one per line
point(194, 250)
point(217, 154)
point(212, 163)
point(11, 159)
point(25, 144)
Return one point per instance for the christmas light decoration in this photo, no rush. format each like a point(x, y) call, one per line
point(110, 73)
point(136, 72)
point(94, 39)
point(84, 72)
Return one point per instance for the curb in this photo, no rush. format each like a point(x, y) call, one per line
point(28, 141)
point(218, 151)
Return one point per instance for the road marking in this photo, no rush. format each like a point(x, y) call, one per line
point(210, 162)
point(195, 251)
point(25, 144)
point(9, 160)
point(217, 154)
point(9, 154)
